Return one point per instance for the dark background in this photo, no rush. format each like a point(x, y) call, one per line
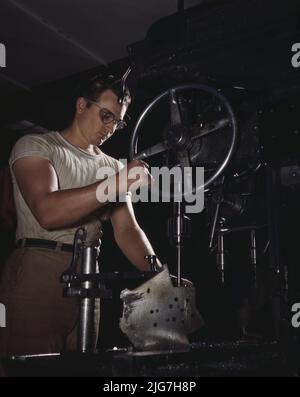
point(51, 46)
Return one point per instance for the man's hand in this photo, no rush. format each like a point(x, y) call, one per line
point(138, 175)
point(132, 177)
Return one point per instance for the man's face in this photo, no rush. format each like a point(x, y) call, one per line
point(93, 118)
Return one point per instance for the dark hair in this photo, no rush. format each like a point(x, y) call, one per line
point(95, 86)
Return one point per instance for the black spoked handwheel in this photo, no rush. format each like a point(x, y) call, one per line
point(197, 114)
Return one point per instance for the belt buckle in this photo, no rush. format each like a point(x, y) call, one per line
point(58, 246)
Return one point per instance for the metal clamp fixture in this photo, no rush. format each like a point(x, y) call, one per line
point(88, 289)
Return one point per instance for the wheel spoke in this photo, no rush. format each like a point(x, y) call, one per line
point(174, 108)
point(210, 128)
point(152, 151)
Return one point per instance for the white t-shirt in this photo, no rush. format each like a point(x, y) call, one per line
point(74, 168)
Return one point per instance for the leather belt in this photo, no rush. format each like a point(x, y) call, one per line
point(41, 243)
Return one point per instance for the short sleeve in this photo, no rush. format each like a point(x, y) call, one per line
point(112, 162)
point(30, 145)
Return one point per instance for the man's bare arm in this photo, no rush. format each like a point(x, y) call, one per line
point(130, 237)
point(54, 208)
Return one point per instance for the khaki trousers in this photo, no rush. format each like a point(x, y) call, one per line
point(39, 319)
